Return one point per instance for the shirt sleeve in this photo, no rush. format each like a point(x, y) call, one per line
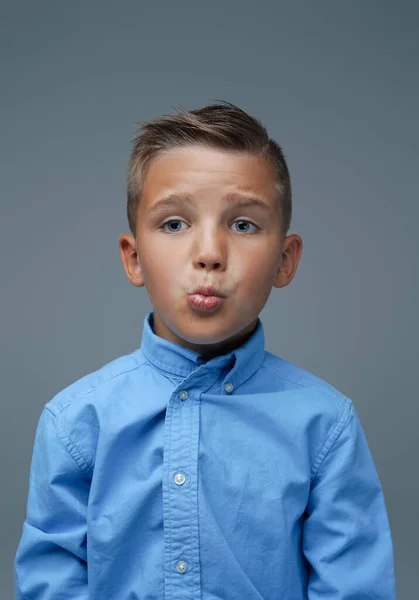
point(51, 560)
point(346, 532)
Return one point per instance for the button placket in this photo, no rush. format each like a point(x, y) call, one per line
point(180, 525)
point(182, 547)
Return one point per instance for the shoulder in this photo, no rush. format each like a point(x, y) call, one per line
point(293, 376)
point(78, 407)
point(324, 410)
point(96, 384)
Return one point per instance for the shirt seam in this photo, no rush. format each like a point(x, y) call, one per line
point(89, 390)
point(337, 429)
point(85, 465)
point(69, 446)
point(310, 387)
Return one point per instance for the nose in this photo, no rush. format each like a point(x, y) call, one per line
point(209, 251)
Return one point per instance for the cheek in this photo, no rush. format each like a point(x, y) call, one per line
point(256, 269)
point(159, 259)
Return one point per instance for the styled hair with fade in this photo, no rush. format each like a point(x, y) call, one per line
point(223, 126)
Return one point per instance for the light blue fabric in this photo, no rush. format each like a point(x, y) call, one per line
point(264, 489)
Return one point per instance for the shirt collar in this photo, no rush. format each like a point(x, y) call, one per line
point(171, 358)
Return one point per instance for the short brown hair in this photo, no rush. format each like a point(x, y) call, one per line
point(224, 126)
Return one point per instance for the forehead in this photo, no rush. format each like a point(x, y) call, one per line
point(199, 170)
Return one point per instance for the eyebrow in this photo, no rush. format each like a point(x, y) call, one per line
point(229, 200)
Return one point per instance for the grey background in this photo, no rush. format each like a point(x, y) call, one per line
point(336, 83)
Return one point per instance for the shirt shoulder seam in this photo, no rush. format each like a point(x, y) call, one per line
point(85, 465)
point(86, 391)
point(69, 446)
point(104, 381)
point(324, 390)
point(341, 423)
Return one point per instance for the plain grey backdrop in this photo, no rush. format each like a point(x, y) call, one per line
point(335, 83)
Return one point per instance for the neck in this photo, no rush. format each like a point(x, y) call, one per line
point(206, 351)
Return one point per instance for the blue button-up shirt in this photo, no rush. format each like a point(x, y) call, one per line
point(244, 477)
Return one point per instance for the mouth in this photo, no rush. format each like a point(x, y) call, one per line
point(206, 298)
point(208, 290)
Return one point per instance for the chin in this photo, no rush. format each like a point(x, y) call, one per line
point(203, 330)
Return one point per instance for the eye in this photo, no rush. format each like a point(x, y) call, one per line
point(172, 221)
point(246, 223)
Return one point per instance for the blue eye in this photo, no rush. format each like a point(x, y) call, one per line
point(172, 221)
point(248, 223)
point(180, 221)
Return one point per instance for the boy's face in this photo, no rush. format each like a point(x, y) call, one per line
point(209, 241)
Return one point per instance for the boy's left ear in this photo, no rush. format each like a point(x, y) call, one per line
point(293, 247)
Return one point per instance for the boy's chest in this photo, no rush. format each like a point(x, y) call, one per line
point(237, 460)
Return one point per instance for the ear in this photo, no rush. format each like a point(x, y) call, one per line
point(130, 260)
point(293, 247)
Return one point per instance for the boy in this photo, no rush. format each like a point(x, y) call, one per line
point(201, 466)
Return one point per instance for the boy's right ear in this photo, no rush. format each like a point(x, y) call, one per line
point(130, 260)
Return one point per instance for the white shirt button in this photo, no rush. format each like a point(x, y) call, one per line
point(183, 395)
point(182, 566)
point(179, 478)
point(228, 387)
